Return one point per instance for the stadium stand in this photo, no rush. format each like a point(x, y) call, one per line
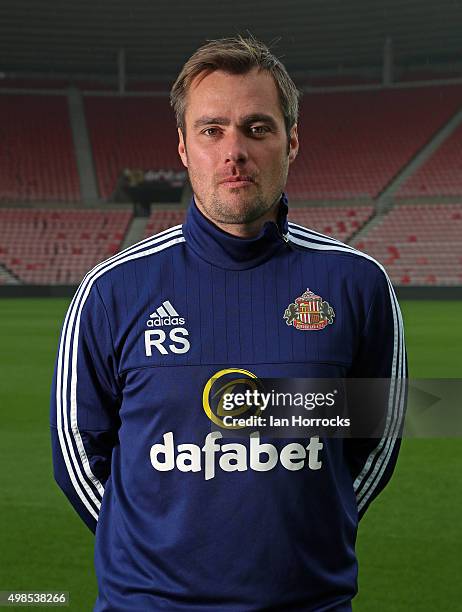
point(341, 222)
point(160, 220)
point(354, 143)
point(344, 80)
point(418, 244)
point(409, 76)
point(130, 132)
point(42, 247)
point(9, 83)
point(441, 174)
point(56, 84)
point(160, 86)
point(6, 278)
point(37, 156)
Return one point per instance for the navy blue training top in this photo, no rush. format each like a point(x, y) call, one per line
point(184, 518)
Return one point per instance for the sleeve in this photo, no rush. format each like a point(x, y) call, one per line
point(85, 400)
point(381, 355)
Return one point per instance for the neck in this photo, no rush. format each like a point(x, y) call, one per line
point(229, 251)
point(244, 230)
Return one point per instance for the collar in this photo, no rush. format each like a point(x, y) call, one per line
point(226, 251)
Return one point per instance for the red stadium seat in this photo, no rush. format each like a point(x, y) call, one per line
point(130, 132)
point(44, 254)
point(431, 254)
point(37, 154)
point(354, 143)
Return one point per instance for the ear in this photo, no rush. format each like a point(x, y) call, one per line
point(293, 143)
point(182, 148)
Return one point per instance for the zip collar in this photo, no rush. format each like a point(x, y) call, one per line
point(224, 250)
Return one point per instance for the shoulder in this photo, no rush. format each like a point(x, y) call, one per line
point(121, 269)
point(338, 253)
point(151, 247)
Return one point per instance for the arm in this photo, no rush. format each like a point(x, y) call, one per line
point(85, 400)
point(381, 354)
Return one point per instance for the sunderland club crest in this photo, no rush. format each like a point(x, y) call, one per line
point(309, 311)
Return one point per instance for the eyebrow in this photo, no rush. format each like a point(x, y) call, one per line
point(246, 120)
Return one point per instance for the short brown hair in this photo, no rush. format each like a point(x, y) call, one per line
point(236, 55)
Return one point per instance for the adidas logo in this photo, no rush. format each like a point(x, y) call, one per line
point(165, 315)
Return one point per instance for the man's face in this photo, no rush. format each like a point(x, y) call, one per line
point(236, 148)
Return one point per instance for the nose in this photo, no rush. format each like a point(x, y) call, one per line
point(235, 148)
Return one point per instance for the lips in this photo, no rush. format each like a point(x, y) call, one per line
point(237, 181)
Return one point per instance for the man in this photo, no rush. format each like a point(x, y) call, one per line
point(156, 334)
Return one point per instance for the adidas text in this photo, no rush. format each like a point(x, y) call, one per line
point(159, 321)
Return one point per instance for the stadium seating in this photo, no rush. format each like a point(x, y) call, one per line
point(354, 143)
point(342, 80)
point(6, 278)
point(418, 244)
point(15, 83)
point(407, 76)
point(36, 153)
point(58, 246)
point(160, 220)
point(441, 174)
point(341, 222)
point(133, 133)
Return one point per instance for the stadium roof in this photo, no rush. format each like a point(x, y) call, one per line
point(84, 36)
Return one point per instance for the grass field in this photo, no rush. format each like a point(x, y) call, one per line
point(409, 543)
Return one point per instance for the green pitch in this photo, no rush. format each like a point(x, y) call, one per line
point(409, 543)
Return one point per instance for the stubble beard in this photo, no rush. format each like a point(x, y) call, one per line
point(237, 211)
point(242, 213)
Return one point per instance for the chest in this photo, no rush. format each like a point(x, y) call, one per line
point(195, 314)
